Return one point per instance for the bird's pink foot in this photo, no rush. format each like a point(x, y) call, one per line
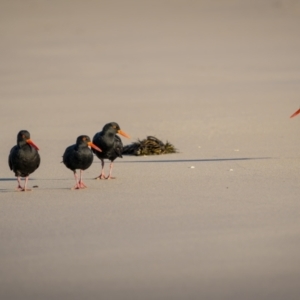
point(79, 186)
point(19, 188)
point(75, 188)
point(101, 176)
point(82, 185)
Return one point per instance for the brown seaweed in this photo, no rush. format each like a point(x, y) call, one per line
point(149, 146)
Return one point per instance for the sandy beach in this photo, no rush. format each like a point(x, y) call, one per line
point(218, 220)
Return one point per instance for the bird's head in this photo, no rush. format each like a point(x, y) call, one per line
point(85, 140)
point(113, 126)
point(24, 137)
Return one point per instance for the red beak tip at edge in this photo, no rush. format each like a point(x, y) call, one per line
point(295, 113)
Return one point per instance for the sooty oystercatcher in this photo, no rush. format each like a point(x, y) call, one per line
point(110, 144)
point(24, 158)
point(79, 156)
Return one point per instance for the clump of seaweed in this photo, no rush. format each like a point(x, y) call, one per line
point(149, 146)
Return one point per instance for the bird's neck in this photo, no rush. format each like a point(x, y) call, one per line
point(22, 144)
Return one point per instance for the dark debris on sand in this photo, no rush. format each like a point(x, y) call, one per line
point(149, 146)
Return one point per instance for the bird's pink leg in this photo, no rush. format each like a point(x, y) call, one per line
point(110, 171)
point(76, 186)
point(81, 183)
point(102, 174)
point(19, 188)
point(25, 185)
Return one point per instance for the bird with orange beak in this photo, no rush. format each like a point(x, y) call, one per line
point(24, 158)
point(79, 156)
point(111, 145)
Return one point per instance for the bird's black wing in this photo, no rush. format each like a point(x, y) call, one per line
point(68, 155)
point(118, 146)
point(10, 157)
point(38, 159)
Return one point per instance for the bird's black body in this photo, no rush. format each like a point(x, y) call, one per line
point(24, 158)
point(78, 156)
point(110, 144)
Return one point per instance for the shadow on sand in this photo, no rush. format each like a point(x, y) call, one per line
point(193, 160)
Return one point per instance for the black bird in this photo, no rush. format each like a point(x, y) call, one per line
point(79, 156)
point(110, 144)
point(24, 158)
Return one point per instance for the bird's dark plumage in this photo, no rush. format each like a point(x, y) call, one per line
point(24, 158)
point(110, 144)
point(79, 157)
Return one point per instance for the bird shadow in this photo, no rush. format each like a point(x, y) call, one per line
point(8, 179)
point(34, 189)
point(194, 160)
point(6, 191)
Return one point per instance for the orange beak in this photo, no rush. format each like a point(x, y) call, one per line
point(30, 142)
point(94, 146)
point(295, 113)
point(123, 133)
